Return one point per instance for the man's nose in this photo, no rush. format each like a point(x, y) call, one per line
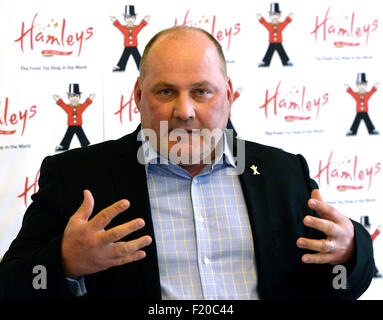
point(184, 107)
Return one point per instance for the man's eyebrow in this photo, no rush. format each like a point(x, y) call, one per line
point(162, 84)
point(204, 84)
point(201, 84)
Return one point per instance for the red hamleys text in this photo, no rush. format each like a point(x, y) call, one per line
point(60, 43)
point(219, 33)
point(299, 107)
point(131, 109)
point(10, 122)
point(351, 33)
point(349, 176)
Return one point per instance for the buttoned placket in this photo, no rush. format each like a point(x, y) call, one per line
point(202, 237)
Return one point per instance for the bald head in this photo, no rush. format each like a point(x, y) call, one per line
point(180, 33)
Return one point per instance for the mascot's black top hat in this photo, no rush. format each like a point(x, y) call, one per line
point(274, 8)
point(365, 221)
point(74, 88)
point(361, 78)
point(131, 11)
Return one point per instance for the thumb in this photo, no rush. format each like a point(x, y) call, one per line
point(86, 208)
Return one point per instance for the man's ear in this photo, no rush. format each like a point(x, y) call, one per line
point(138, 93)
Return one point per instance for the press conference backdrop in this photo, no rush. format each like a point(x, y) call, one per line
point(302, 107)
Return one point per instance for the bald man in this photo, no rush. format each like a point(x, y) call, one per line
point(165, 213)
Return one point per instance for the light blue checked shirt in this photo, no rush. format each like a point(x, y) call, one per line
point(202, 230)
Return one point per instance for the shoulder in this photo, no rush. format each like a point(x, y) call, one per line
point(268, 152)
point(280, 168)
point(85, 152)
point(278, 162)
point(96, 154)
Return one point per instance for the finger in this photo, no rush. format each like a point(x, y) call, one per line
point(123, 250)
point(328, 227)
point(104, 217)
point(317, 258)
point(315, 194)
point(322, 245)
point(325, 210)
point(135, 256)
point(117, 233)
point(85, 210)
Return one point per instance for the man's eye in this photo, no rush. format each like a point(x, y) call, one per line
point(201, 92)
point(165, 92)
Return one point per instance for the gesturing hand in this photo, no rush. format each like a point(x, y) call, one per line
point(339, 245)
point(87, 248)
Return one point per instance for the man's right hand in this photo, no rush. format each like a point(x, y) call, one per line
point(87, 247)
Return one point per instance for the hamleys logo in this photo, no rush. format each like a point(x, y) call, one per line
point(52, 37)
point(348, 174)
point(348, 30)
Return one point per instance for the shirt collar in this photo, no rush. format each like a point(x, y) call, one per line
point(224, 153)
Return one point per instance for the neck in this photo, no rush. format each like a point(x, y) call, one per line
point(193, 169)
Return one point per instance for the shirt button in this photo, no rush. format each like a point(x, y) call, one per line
point(201, 219)
point(206, 260)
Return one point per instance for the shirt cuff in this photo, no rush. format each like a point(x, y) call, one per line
point(77, 286)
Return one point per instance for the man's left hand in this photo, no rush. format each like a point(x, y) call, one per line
point(339, 245)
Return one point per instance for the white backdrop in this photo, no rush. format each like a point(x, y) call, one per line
point(45, 46)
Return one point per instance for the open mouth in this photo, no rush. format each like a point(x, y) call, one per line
point(180, 133)
point(183, 130)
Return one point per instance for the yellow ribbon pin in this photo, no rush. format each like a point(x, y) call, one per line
point(255, 170)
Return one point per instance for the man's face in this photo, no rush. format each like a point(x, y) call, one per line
point(184, 85)
point(74, 98)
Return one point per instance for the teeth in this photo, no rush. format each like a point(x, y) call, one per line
point(189, 131)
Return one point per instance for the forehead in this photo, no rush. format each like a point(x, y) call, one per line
point(184, 52)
